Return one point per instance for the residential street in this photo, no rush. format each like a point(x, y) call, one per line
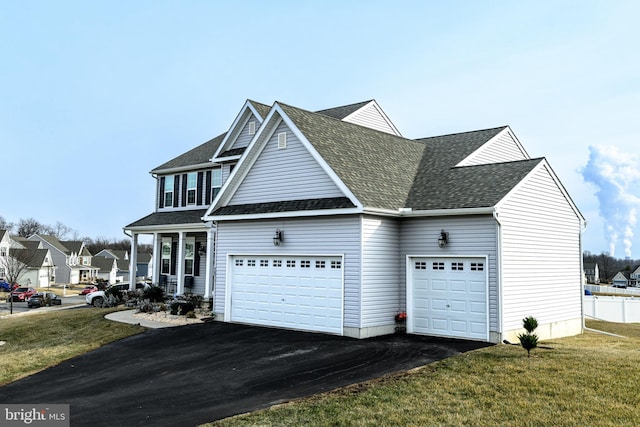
point(195, 374)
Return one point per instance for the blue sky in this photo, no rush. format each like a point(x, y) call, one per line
point(96, 94)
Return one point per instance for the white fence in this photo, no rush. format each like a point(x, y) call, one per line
point(612, 309)
point(611, 290)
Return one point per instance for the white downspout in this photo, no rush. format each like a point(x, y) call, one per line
point(499, 275)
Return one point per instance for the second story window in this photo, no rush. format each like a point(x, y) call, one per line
point(216, 182)
point(168, 191)
point(192, 185)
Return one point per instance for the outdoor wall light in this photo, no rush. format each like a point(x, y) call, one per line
point(202, 251)
point(278, 237)
point(443, 239)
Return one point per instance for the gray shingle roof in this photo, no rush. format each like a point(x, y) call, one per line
point(170, 218)
point(286, 206)
point(376, 166)
point(196, 156)
point(53, 241)
point(343, 111)
point(467, 187)
point(262, 109)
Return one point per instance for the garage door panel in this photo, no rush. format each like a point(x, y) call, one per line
point(293, 293)
point(449, 297)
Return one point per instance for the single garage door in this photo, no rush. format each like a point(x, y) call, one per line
point(448, 297)
point(295, 292)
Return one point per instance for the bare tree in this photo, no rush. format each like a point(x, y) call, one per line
point(6, 225)
point(15, 265)
point(59, 230)
point(28, 227)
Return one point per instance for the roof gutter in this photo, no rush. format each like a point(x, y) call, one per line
point(409, 212)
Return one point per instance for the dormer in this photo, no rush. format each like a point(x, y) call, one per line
point(241, 132)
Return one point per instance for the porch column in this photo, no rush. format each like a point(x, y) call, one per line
point(209, 257)
point(133, 262)
point(156, 256)
point(180, 262)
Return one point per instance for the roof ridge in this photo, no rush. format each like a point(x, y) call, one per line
point(461, 133)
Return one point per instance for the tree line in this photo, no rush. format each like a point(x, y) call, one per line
point(609, 266)
point(26, 227)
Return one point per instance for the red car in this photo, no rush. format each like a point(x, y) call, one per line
point(23, 293)
point(88, 289)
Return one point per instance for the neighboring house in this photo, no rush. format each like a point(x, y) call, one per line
point(144, 263)
point(5, 244)
point(71, 258)
point(108, 268)
point(331, 221)
point(39, 271)
point(591, 272)
point(622, 279)
point(635, 276)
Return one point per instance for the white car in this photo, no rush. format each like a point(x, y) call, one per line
point(97, 298)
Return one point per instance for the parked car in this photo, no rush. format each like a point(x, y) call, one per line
point(88, 289)
point(41, 299)
point(97, 298)
point(4, 286)
point(22, 293)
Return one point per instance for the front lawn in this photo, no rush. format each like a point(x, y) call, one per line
point(591, 379)
point(41, 340)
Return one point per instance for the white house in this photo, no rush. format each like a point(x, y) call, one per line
point(29, 260)
point(331, 221)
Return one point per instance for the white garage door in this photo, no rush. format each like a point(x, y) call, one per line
point(295, 292)
point(448, 297)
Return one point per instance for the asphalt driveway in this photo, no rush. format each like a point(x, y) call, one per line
point(194, 374)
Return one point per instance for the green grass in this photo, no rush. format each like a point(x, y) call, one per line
point(39, 341)
point(591, 379)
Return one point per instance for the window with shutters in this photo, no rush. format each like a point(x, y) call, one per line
point(168, 191)
point(192, 185)
point(166, 256)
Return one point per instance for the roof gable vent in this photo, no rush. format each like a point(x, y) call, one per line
point(282, 140)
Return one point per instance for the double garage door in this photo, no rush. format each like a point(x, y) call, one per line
point(294, 292)
point(448, 297)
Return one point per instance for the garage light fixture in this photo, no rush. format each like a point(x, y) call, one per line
point(278, 237)
point(443, 239)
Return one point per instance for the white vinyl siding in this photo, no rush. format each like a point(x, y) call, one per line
point(468, 236)
point(382, 297)
point(285, 174)
point(369, 116)
point(541, 253)
point(335, 236)
point(502, 148)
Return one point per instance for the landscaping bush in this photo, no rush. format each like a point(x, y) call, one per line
point(529, 340)
point(153, 293)
point(181, 307)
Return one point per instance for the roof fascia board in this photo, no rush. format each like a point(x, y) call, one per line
point(408, 212)
point(292, 214)
point(241, 119)
point(169, 227)
point(544, 164)
point(185, 168)
point(380, 111)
